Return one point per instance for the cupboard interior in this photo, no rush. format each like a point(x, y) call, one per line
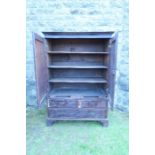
point(78, 67)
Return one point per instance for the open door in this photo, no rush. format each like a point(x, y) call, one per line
point(41, 73)
point(112, 71)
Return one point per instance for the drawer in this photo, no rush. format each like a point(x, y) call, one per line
point(92, 103)
point(62, 103)
point(77, 103)
point(76, 113)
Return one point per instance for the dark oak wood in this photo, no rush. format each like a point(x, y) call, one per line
point(74, 113)
point(79, 66)
point(112, 69)
point(77, 80)
point(50, 121)
point(77, 73)
point(76, 52)
point(86, 59)
point(104, 123)
point(78, 92)
point(81, 69)
point(78, 102)
point(40, 68)
point(76, 45)
point(103, 35)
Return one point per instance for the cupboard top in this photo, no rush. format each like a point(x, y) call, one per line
point(104, 35)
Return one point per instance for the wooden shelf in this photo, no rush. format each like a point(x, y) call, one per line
point(77, 80)
point(75, 52)
point(78, 66)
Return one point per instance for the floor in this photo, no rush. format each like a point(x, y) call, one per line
point(76, 138)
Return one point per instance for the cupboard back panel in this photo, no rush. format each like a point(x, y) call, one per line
point(55, 73)
point(78, 45)
point(77, 86)
point(76, 59)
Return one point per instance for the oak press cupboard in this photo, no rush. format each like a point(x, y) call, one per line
point(75, 73)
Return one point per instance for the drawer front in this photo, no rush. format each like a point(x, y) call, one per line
point(77, 103)
point(92, 103)
point(62, 103)
point(69, 113)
